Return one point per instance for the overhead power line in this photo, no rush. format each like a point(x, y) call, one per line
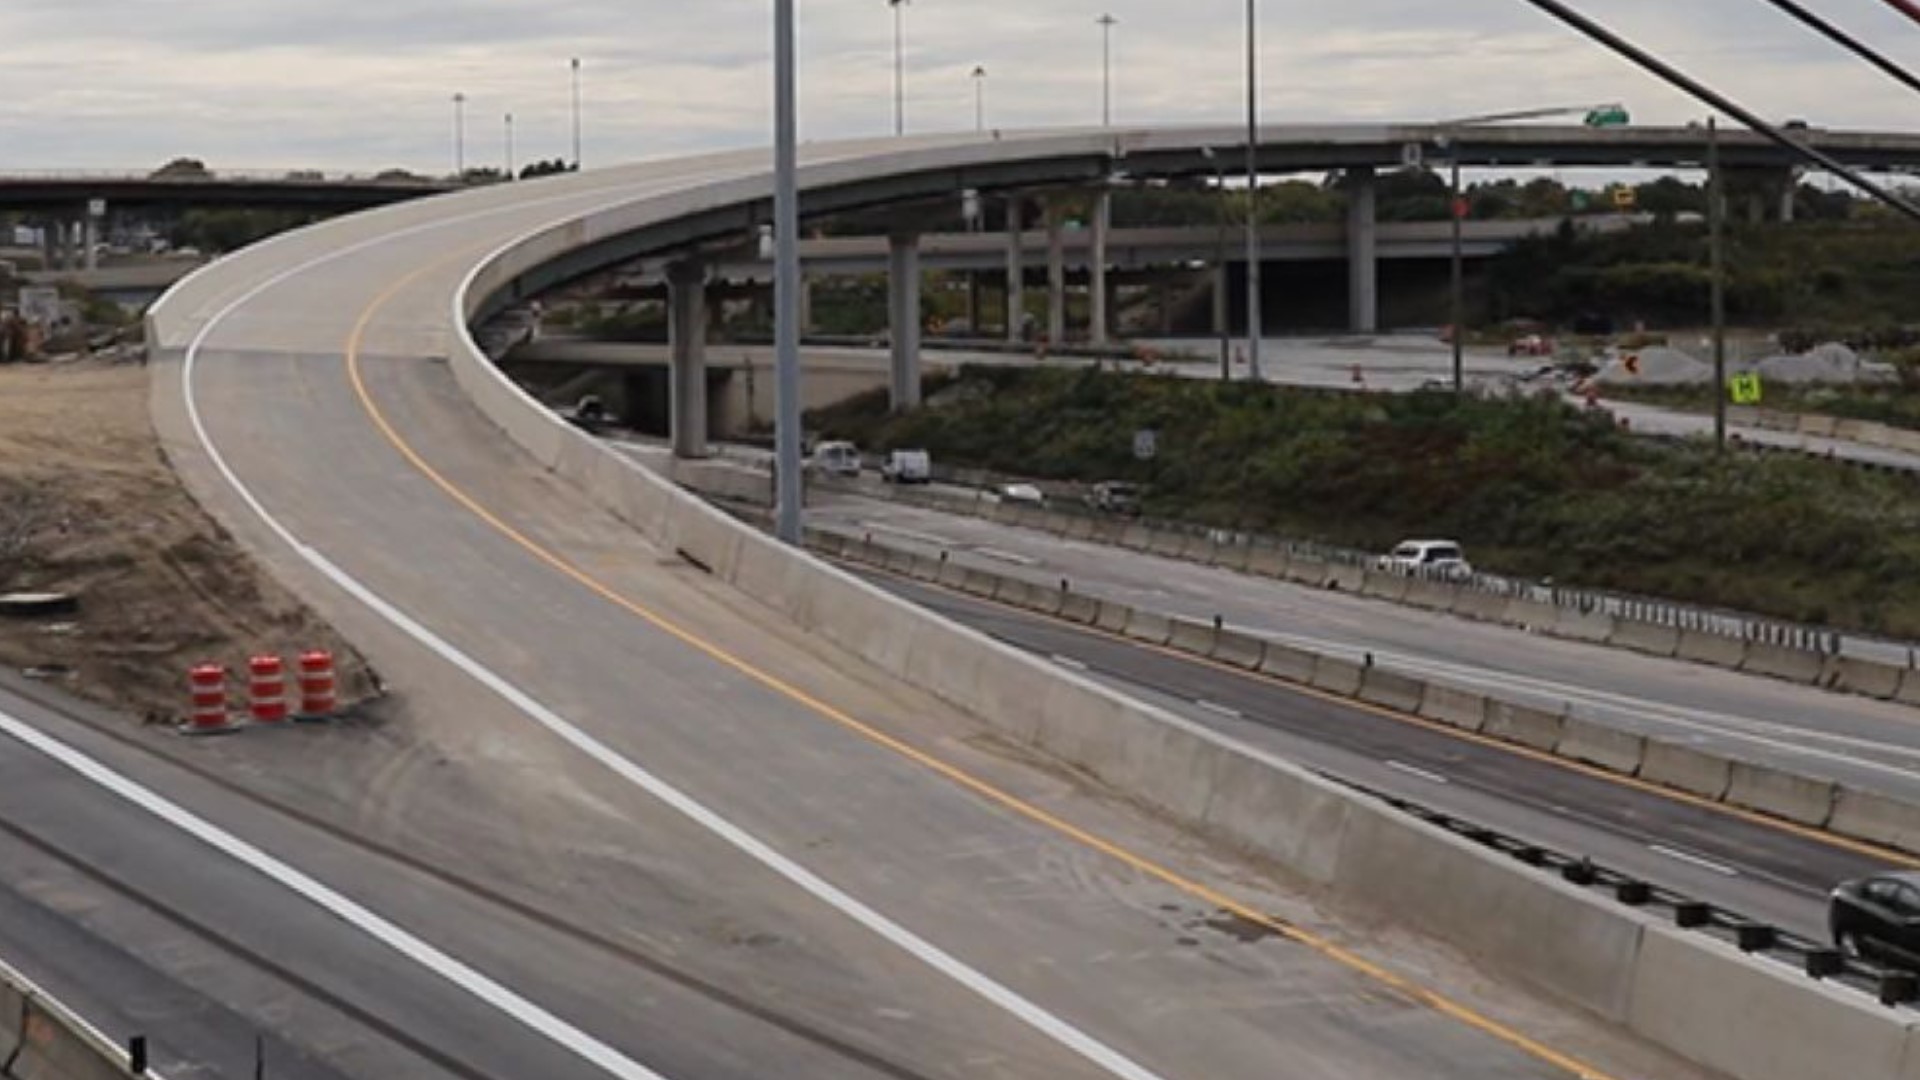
point(1705, 94)
point(1906, 7)
point(1841, 38)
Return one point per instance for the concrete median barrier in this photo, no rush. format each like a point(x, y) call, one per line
point(1113, 617)
point(1479, 605)
point(1136, 537)
point(1235, 557)
point(56, 1045)
point(1110, 533)
point(1593, 743)
point(1757, 1021)
point(1240, 650)
point(1077, 527)
point(1257, 808)
point(13, 1011)
point(1818, 426)
point(1166, 544)
point(1391, 690)
point(1432, 595)
point(1150, 756)
point(1649, 638)
point(1044, 598)
point(1529, 615)
point(952, 574)
point(925, 568)
point(1686, 769)
point(1802, 799)
point(1877, 818)
point(1288, 663)
point(1198, 549)
point(1341, 677)
point(1462, 709)
point(1306, 570)
point(899, 561)
point(1190, 636)
point(981, 583)
point(1589, 626)
point(1267, 562)
point(1780, 662)
point(1148, 626)
point(1533, 728)
point(1384, 586)
point(1854, 676)
point(1079, 608)
point(1720, 650)
point(1343, 577)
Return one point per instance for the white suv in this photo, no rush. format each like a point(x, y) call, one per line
point(1428, 558)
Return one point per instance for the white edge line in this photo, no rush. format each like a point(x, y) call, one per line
point(1416, 771)
point(1013, 1003)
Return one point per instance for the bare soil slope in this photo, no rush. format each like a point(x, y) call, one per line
point(88, 505)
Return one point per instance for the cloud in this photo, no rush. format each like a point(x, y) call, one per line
point(358, 84)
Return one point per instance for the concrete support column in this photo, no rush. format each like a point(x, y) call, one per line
point(903, 318)
point(1163, 299)
point(1097, 268)
point(806, 304)
point(1363, 254)
point(90, 236)
point(687, 332)
point(1056, 274)
point(1016, 270)
point(1222, 310)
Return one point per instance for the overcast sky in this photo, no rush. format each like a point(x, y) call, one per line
point(368, 84)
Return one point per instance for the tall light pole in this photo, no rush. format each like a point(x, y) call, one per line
point(1253, 194)
point(1107, 23)
point(1220, 258)
point(1457, 283)
point(509, 146)
point(576, 114)
point(980, 97)
point(459, 136)
point(786, 278)
point(1716, 245)
point(899, 69)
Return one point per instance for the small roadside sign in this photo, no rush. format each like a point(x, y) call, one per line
point(1146, 444)
point(97, 208)
point(1744, 389)
point(1412, 155)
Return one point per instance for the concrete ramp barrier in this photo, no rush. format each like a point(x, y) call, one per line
point(1879, 819)
point(1341, 677)
point(1190, 636)
point(1240, 650)
point(1595, 743)
point(1757, 1021)
point(1720, 650)
point(1803, 799)
point(1391, 690)
point(1286, 662)
point(1518, 724)
point(1645, 637)
point(57, 1045)
point(1685, 768)
point(1300, 826)
point(1455, 708)
point(1150, 627)
point(13, 1009)
point(1864, 677)
point(1793, 665)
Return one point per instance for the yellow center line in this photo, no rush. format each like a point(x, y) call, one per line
point(1433, 999)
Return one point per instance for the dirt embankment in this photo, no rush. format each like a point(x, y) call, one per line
point(89, 506)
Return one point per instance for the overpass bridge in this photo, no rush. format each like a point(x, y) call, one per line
point(810, 788)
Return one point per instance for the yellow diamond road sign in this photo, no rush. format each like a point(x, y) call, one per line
point(1744, 389)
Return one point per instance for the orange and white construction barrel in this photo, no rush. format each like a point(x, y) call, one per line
point(207, 691)
point(267, 689)
point(317, 694)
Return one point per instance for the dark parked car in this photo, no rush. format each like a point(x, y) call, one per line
point(1878, 917)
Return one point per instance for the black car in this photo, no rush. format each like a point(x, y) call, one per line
point(1878, 917)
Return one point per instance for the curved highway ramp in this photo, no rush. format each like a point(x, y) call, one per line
point(622, 818)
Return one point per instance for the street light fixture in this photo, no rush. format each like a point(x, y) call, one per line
point(980, 97)
point(459, 136)
point(1107, 23)
point(509, 146)
point(899, 69)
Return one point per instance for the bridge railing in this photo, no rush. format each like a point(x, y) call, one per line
point(219, 176)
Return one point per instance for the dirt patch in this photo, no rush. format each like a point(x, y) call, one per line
point(88, 505)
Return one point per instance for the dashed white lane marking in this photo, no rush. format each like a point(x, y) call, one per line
point(1218, 709)
point(1416, 771)
point(1006, 556)
point(1691, 859)
point(1068, 662)
point(933, 539)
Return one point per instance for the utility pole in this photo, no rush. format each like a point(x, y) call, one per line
point(1107, 23)
point(509, 146)
point(786, 277)
point(1253, 195)
point(980, 97)
point(1456, 211)
point(576, 114)
point(899, 70)
point(459, 136)
point(1716, 246)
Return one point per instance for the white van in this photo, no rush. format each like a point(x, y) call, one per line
point(835, 459)
point(908, 467)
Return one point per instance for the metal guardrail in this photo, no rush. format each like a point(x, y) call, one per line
point(1892, 986)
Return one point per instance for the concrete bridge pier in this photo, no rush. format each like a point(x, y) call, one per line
point(1056, 273)
point(1016, 270)
point(1097, 267)
point(903, 318)
point(1222, 298)
point(687, 318)
point(1363, 253)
